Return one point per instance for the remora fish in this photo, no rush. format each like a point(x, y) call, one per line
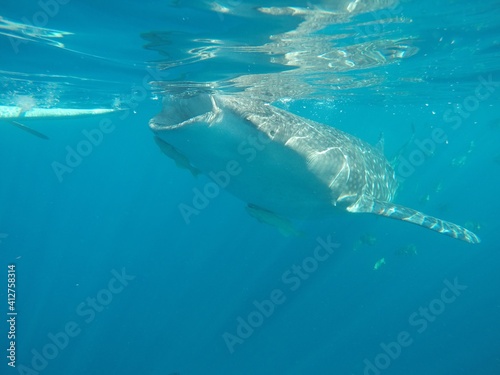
point(286, 164)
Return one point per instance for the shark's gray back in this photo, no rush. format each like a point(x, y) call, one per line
point(350, 167)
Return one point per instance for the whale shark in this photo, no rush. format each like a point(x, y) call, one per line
point(285, 164)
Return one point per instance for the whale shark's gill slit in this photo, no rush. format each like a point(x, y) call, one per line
point(344, 172)
point(291, 140)
point(409, 215)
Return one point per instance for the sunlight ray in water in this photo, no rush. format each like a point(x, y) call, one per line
point(31, 33)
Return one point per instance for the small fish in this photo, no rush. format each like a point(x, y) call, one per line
point(409, 250)
point(379, 264)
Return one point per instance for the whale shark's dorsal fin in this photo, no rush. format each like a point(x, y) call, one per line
point(395, 211)
point(380, 143)
point(403, 149)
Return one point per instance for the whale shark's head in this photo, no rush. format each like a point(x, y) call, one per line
point(183, 110)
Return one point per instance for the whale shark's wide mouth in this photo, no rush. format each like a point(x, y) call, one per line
point(179, 111)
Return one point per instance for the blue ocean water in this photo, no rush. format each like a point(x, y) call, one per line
point(110, 279)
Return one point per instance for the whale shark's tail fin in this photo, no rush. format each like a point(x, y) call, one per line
point(398, 212)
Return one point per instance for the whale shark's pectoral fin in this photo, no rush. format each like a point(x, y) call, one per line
point(398, 212)
point(179, 159)
point(285, 226)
